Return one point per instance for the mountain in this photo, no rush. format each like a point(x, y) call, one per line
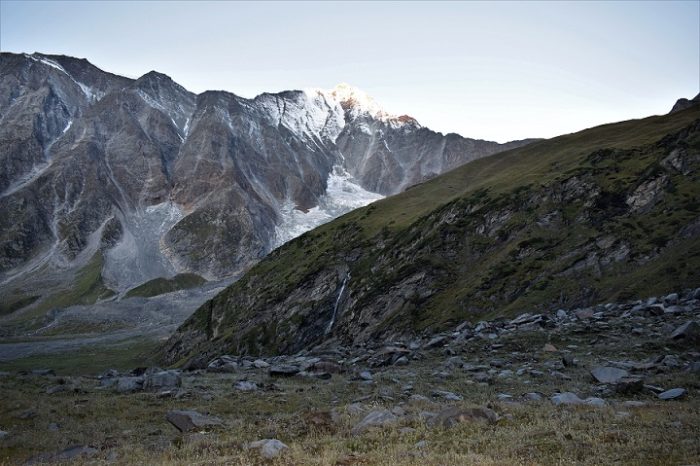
point(682, 104)
point(107, 182)
point(609, 213)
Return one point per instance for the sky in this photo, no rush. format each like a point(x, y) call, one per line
point(491, 70)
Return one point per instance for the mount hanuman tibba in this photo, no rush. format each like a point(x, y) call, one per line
point(139, 179)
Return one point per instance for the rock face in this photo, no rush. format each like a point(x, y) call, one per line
point(556, 224)
point(155, 180)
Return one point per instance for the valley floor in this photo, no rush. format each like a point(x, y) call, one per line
point(503, 392)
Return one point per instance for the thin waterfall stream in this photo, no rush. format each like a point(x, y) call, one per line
point(337, 303)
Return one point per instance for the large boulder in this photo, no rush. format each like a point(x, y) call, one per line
point(163, 380)
point(187, 421)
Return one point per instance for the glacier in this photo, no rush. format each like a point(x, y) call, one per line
point(343, 194)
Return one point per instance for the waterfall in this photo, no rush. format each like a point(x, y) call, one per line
point(337, 303)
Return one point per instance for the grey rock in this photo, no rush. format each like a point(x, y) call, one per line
point(533, 396)
point(401, 361)
point(4, 434)
point(609, 375)
point(76, 451)
point(223, 364)
point(245, 386)
point(366, 375)
point(595, 401)
point(163, 380)
point(673, 394)
point(450, 417)
point(436, 341)
point(187, 420)
point(269, 448)
point(566, 398)
point(260, 364)
point(446, 395)
point(689, 331)
point(379, 418)
point(284, 370)
point(128, 384)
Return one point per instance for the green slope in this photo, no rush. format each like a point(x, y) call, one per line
point(161, 285)
point(606, 213)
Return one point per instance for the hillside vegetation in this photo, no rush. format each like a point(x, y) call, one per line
point(606, 214)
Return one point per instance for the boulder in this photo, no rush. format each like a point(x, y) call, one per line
point(609, 374)
point(379, 418)
point(128, 384)
point(163, 380)
point(268, 448)
point(245, 386)
point(456, 415)
point(566, 398)
point(672, 394)
point(446, 395)
point(284, 370)
point(223, 364)
point(689, 331)
point(187, 420)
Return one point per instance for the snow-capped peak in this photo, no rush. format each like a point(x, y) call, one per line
point(357, 102)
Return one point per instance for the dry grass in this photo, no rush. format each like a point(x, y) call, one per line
point(131, 429)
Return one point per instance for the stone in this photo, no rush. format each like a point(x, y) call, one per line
point(633, 404)
point(268, 448)
point(226, 364)
point(187, 420)
point(562, 314)
point(128, 384)
point(435, 342)
point(260, 364)
point(549, 348)
point(401, 361)
point(671, 298)
point(43, 372)
point(609, 375)
point(446, 395)
point(3, 434)
point(595, 401)
point(532, 396)
point(284, 370)
point(672, 394)
point(245, 386)
point(75, 451)
point(629, 385)
point(379, 418)
point(481, 377)
point(56, 389)
point(163, 380)
point(328, 367)
point(455, 415)
point(569, 361)
point(689, 331)
point(566, 398)
point(366, 375)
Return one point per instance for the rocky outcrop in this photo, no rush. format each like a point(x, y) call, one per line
point(682, 104)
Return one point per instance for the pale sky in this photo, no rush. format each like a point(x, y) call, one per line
point(497, 71)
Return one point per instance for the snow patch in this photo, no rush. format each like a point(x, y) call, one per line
point(342, 195)
point(137, 257)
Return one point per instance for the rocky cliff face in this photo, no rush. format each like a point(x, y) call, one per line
point(154, 180)
point(608, 213)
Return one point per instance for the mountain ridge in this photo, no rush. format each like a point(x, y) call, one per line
point(151, 180)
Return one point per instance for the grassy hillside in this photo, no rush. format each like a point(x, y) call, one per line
point(161, 285)
point(608, 213)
